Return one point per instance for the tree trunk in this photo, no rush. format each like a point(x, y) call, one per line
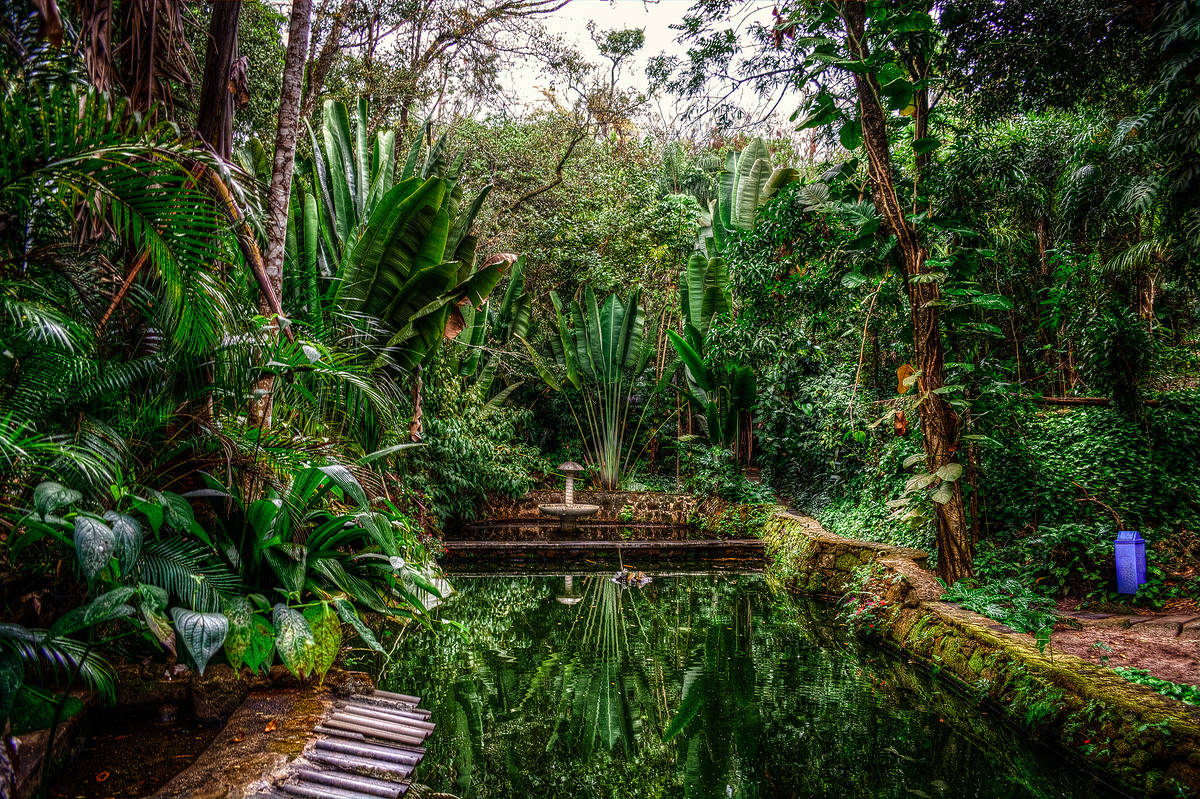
point(1041, 232)
point(939, 423)
point(214, 122)
point(324, 60)
point(280, 191)
point(214, 118)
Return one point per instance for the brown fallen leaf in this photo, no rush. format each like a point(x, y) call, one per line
point(270, 726)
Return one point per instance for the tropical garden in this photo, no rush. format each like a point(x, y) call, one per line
point(286, 293)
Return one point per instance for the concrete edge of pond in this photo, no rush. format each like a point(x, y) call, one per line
point(269, 730)
point(1148, 742)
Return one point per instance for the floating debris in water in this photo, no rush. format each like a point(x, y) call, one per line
point(628, 578)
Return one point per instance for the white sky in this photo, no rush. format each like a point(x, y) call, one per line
point(653, 16)
point(571, 23)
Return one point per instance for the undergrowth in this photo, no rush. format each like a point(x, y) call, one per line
point(1008, 601)
point(1188, 694)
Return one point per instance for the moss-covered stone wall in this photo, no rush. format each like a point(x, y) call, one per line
point(650, 515)
point(654, 507)
point(1146, 741)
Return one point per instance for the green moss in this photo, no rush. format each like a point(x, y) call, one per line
point(847, 562)
point(31, 711)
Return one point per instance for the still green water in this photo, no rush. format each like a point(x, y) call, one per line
point(694, 686)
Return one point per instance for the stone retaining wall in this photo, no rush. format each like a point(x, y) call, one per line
point(652, 507)
point(215, 694)
point(1147, 741)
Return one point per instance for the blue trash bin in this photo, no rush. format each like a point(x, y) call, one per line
point(1131, 561)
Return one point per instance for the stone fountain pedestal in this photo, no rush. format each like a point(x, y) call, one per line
point(568, 515)
point(567, 512)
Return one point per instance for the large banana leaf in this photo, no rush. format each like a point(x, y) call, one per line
point(341, 169)
point(383, 254)
point(398, 257)
point(697, 373)
point(749, 192)
point(747, 181)
point(515, 314)
point(704, 291)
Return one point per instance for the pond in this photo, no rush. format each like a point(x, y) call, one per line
point(704, 685)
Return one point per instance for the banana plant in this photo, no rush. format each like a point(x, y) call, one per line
point(704, 292)
point(723, 394)
point(393, 254)
point(495, 333)
point(602, 349)
point(748, 180)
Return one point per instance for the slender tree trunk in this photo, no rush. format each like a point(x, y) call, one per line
point(324, 60)
point(214, 118)
point(939, 423)
point(280, 191)
point(214, 124)
point(1041, 232)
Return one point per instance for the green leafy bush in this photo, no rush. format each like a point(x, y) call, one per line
point(713, 472)
point(1188, 694)
point(1009, 602)
point(471, 449)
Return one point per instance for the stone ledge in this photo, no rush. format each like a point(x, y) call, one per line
point(270, 728)
point(268, 731)
point(1148, 741)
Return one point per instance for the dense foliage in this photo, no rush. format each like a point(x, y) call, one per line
point(243, 391)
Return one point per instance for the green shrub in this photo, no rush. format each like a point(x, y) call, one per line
point(471, 449)
point(1188, 694)
point(712, 472)
point(1009, 602)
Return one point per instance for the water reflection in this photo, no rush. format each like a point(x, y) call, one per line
point(696, 686)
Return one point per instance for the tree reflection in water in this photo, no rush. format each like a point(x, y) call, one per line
point(695, 686)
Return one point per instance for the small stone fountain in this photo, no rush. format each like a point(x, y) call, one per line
point(568, 512)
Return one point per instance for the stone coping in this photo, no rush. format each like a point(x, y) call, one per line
point(266, 733)
point(268, 730)
point(1149, 742)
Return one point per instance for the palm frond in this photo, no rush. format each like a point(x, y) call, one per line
point(59, 656)
point(188, 570)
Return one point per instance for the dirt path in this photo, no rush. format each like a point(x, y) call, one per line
point(1165, 644)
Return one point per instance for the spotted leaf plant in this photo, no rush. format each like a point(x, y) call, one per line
point(295, 641)
point(150, 556)
point(195, 593)
point(327, 636)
